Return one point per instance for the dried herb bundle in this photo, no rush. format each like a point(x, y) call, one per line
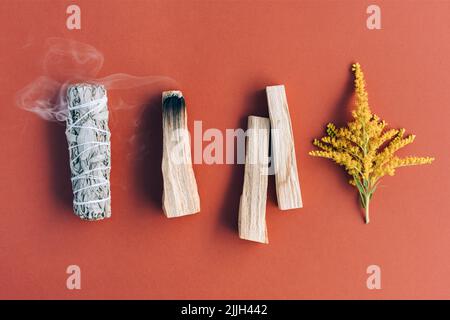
point(365, 147)
point(88, 137)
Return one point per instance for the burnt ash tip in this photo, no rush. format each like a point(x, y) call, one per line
point(173, 104)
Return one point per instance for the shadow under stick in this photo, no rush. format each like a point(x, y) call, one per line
point(252, 207)
point(285, 163)
point(180, 194)
point(88, 137)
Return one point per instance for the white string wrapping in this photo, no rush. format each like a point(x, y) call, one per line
point(88, 137)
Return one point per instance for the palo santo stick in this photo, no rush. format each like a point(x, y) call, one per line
point(283, 150)
point(88, 137)
point(180, 194)
point(252, 207)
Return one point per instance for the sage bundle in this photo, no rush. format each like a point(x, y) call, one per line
point(88, 137)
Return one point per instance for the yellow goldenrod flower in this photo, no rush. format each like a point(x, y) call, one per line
point(364, 148)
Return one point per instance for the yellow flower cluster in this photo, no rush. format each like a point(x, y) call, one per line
point(364, 147)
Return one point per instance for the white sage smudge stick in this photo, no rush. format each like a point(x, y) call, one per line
point(88, 137)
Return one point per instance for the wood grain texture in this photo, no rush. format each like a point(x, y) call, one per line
point(252, 207)
point(180, 194)
point(283, 150)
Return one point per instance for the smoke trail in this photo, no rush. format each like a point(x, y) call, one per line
point(66, 61)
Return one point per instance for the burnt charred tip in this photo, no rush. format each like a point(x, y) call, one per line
point(170, 93)
point(173, 103)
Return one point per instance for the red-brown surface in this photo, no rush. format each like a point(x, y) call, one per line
point(223, 54)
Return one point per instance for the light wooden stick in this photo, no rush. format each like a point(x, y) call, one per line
point(180, 194)
point(252, 208)
point(283, 150)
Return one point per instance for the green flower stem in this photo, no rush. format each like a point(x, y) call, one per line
point(367, 200)
point(365, 194)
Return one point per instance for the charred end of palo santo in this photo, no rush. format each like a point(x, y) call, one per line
point(285, 162)
point(180, 194)
point(88, 137)
point(173, 105)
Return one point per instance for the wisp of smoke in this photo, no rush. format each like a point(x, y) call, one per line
point(67, 61)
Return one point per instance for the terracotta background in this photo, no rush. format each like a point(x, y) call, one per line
point(223, 54)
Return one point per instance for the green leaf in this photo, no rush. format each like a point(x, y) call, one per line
point(359, 186)
point(373, 191)
point(363, 200)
